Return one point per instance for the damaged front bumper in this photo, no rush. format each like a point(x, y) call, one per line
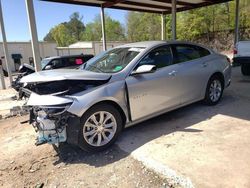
point(50, 128)
point(52, 121)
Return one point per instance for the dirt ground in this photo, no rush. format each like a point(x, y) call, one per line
point(22, 164)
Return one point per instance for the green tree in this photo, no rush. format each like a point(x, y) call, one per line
point(75, 26)
point(143, 26)
point(114, 30)
point(67, 32)
point(49, 37)
point(61, 35)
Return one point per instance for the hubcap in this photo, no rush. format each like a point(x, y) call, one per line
point(100, 128)
point(215, 90)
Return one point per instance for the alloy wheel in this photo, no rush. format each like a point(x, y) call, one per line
point(100, 128)
point(215, 90)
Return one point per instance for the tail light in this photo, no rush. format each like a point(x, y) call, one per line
point(235, 51)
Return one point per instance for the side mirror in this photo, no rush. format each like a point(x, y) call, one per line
point(48, 67)
point(144, 69)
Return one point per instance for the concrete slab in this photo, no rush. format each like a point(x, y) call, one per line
point(204, 144)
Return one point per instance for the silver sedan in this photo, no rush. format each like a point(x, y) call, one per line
point(125, 85)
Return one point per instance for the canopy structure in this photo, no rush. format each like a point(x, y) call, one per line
point(162, 7)
point(153, 6)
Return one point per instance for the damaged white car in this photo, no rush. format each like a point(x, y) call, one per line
point(125, 85)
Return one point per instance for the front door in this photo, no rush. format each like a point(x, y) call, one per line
point(153, 92)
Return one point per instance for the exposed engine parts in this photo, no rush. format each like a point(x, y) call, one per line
point(50, 123)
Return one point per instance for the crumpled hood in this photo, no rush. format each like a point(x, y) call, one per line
point(47, 100)
point(64, 74)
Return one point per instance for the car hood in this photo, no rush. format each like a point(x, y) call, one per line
point(64, 74)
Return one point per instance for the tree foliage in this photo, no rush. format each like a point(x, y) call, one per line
point(114, 30)
point(191, 25)
point(70, 32)
point(67, 32)
point(143, 26)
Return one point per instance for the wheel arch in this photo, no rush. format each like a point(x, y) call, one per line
point(217, 73)
point(220, 75)
point(114, 104)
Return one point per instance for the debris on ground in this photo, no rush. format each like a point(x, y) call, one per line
point(22, 164)
point(10, 106)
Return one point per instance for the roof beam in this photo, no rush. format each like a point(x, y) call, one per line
point(204, 4)
point(138, 9)
point(112, 3)
point(182, 3)
point(145, 5)
point(142, 6)
point(74, 2)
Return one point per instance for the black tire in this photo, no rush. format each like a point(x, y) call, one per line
point(245, 69)
point(83, 144)
point(207, 99)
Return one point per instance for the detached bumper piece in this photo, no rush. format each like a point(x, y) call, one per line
point(50, 124)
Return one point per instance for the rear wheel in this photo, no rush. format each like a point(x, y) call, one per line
point(245, 69)
point(214, 90)
point(100, 126)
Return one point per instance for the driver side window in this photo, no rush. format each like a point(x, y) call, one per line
point(160, 57)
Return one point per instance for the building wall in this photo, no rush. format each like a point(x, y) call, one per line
point(49, 49)
point(24, 48)
point(75, 51)
point(97, 47)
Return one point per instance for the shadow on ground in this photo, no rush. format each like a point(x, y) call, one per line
point(69, 154)
point(235, 103)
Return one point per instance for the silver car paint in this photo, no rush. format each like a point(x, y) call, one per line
point(150, 94)
point(64, 74)
point(46, 100)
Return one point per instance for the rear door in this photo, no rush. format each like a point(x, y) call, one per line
point(193, 70)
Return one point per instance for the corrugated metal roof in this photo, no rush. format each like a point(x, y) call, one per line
point(154, 6)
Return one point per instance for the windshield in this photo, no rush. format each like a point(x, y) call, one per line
point(112, 61)
point(44, 62)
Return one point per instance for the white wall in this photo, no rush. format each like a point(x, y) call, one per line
point(96, 49)
point(75, 51)
point(49, 49)
point(24, 48)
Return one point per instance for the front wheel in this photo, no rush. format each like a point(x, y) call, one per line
point(214, 90)
point(100, 126)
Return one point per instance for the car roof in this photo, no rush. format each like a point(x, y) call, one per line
point(150, 44)
point(68, 56)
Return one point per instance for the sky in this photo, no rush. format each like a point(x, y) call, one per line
point(47, 16)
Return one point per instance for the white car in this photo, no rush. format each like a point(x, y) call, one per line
point(242, 56)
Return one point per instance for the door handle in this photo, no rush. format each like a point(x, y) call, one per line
point(204, 64)
point(173, 73)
